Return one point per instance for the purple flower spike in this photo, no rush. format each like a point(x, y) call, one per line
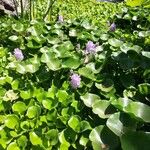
point(60, 19)
point(18, 54)
point(112, 27)
point(75, 81)
point(90, 47)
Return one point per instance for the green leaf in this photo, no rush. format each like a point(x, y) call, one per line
point(67, 137)
point(33, 111)
point(102, 109)
point(144, 88)
point(83, 140)
point(84, 125)
point(120, 123)
point(35, 139)
point(12, 121)
point(13, 146)
point(135, 140)
point(63, 140)
point(106, 85)
point(33, 45)
point(14, 38)
point(87, 72)
point(22, 141)
point(146, 54)
point(52, 115)
point(19, 107)
point(104, 37)
point(134, 3)
point(72, 62)
point(2, 80)
point(25, 125)
point(74, 123)
point(72, 33)
point(93, 66)
point(121, 103)
point(32, 68)
point(49, 103)
point(115, 42)
point(10, 95)
point(52, 136)
point(89, 99)
point(52, 62)
point(2, 52)
point(62, 96)
point(15, 84)
point(21, 69)
point(26, 94)
point(101, 137)
point(18, 27)
point(53, 40)
point(139, 110)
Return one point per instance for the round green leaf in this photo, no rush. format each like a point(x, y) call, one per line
point(22, 141)
point(139, 110)
point(35, 139)
point(72, 33)
point(49, 103)
point(89, 99)
point(33, 111)
point(15, 84)
point(21, 69)
point(13, 38)
point(32, 68)
point(19, 107)
point(84, 125)
point(87, 72)
point(52, 136)
point(13, 146)
point(26, 94)
point(115, 42)
point(146, 54)
point(72, 62)
point(83, 140)
point(120, 123)
point(101, 108)
point(101, 137)
point(121, 103)
point(74, 123)
point(12, 121)
point(105, 86)
point(18, 27)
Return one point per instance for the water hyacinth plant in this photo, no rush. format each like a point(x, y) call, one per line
point(62, 96)
point(18, 54)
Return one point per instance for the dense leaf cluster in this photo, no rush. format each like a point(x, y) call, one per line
point(109, 110)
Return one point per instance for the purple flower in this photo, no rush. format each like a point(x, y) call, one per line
point(90, 47)
point(112, 27)
point(18, 54)
point(75, 80)
point(60, 19)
